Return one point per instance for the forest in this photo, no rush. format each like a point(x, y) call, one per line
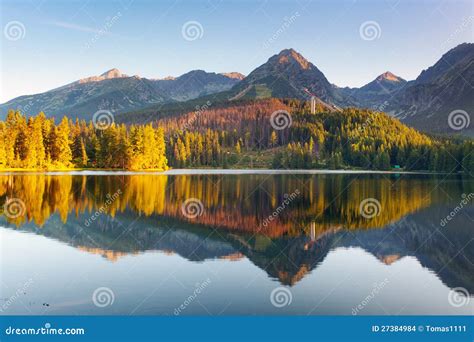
point(227, 137)
point(39, 143)
point(354, 138)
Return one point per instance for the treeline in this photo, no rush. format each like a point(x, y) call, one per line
point(352, 138)
point(227, 137)
point(40, 143)
point(369, 140)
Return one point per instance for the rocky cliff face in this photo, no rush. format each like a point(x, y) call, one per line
point(446, 87)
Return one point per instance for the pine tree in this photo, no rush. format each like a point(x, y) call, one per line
point(160, 150)
point(62, 144)
point(3, 153)
point(30, 160)
point(21, 141)
point(38, 140)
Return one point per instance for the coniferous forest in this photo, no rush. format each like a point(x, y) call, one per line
point(229, 137)
point(40, 143)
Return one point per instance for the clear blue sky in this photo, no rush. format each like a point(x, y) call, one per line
point(61, 42)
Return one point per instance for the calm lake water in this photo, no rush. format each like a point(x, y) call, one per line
point(221, 244)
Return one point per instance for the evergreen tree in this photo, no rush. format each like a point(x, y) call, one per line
point(62, 143)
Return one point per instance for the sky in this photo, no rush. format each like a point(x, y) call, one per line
point(46, 44)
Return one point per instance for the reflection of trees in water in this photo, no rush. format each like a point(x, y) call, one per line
point(239, 203)
point(323, 217)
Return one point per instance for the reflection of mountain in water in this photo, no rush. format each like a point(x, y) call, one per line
point(287, 258)
point(140, 213)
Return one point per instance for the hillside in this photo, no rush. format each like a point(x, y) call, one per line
point(287, 75)
point(118, 93)
point(299, 139)
point(375, 94)
point(424, 103)
point(447, 86)
point(229, 137)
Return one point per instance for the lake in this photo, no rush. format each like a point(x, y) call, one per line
point(214, 243)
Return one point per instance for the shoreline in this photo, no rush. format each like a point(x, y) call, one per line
point(174, 172)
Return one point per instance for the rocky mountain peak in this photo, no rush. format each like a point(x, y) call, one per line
point(388, 76)
point(109, 74)
point(234, 75)
point(291, 56)
point(113, 73)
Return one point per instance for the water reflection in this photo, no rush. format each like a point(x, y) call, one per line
point(117, 215)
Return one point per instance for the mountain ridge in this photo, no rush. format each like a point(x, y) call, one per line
point(437, 91)
point(444, 88)
point(287, 75)
point(109, 74)
point(117, 92)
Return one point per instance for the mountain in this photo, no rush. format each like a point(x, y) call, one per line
point(235, 75)
point(416, 237)
point(118, 92)
point(84, 97)
point(385, 83)
point(424, 103)
point(287, 75)
point(374, 94)
point(447, 86)
point(195, 83)
point(384, 86)
point(112, 73)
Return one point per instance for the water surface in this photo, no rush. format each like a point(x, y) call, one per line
point(258, 243)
